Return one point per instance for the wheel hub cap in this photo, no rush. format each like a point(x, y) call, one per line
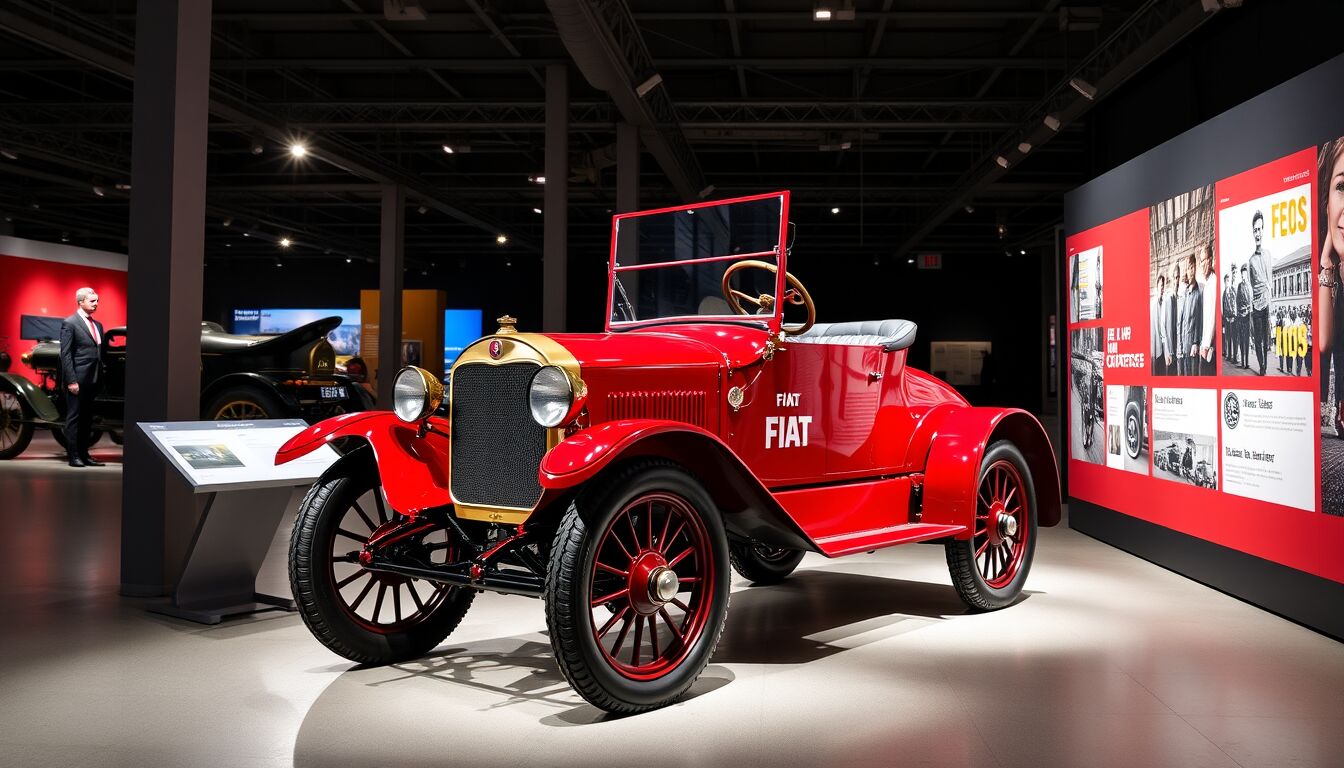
point(663, 585)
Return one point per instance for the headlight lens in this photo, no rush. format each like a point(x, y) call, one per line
point(415, 394)
point(550, 396)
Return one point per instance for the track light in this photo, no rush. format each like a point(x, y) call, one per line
point(348, 260)
point(502, 239)
point(1052, 123)
point(643, 88)
point(65, 237)
point(835, 210)
point(247, 234)
point(970, 208)
point(448, 148)
point(1001, 160)
point(1024, 147)
point(422, 210)
point(285, 242)
point(298, 150)
point(1085, 89)
point(9, 154)
point(909, 261)
point(1022, 251)
point(227, 222)
point(98, 190)
point(257, 146)
point(536, 209)
point(537, 179)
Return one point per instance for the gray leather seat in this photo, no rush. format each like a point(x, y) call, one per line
point(891, 335)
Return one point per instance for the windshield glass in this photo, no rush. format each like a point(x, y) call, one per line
point(671, 264)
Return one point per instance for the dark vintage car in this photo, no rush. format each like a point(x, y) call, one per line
point(618, 476)
point(242, 377)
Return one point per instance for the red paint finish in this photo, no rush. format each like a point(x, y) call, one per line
point(36, 287)
point(414, 470)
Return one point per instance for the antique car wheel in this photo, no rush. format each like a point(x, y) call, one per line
point(365, 616)
point(243, 404)
point(764, 565)
point(1133, 430)
point(990, 568)
point(637, 588)
point(16, 424)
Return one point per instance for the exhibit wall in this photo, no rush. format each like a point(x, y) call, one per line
point(41, 279)
point(1205, 371)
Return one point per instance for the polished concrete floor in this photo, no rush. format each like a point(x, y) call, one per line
point(864, 661)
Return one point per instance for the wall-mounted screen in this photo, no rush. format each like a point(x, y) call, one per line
point(460, 328)
point(344, 339)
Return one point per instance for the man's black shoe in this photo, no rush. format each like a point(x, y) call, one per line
point(75, 461)
point(91, 462)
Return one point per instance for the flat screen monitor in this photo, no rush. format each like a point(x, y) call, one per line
point(460, 328)
point(344, 338)
point(39, 327)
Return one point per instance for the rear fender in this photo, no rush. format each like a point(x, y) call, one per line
point(243, 379)
point(749, 510)
point(413, 470)
point(38, 402)
point(952, 471)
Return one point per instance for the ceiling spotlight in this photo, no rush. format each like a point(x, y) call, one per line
point(1001, 160)
point(821, 14)
point(298, 150)
point(257, 146)
point(279, 263)
point(1022, 251)
point(123, 187)
point(247, 234)
point(536, 209)
point(285, 242)
point(422, 210)
point(347, 260)
point(970, 208)
point(909, 261)
point(65, 237)
point(835, 210)
point(537, 179)
point(9, 219)
point(228, 245)
point(1085, 89)
point(648, 85)
point(1002, 229)
point(448, 148)
point(1024, 147)
point(9, 154)
point(36, 205)
point(1052, 122)
point(502, 239)
point(508, 262)
point(98, 190)
point(228, 221)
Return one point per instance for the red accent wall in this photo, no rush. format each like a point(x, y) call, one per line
point(35, 287)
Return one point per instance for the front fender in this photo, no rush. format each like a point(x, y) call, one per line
point(413, 470)
point(42, 406)
point(749, 510)
point(952, 471)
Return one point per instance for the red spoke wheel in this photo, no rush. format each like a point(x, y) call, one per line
point(366, 616)
point(990, 568)
point(637, 588)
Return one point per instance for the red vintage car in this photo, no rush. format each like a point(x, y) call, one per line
point(617, 475)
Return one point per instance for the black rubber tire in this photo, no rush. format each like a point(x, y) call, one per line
point(267, 403)
point(568, 582)
point(966, 577)
point(22, 433)
point(763, 565)
point(1133, 431)
point(315, 593)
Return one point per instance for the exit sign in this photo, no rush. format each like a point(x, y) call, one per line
point(929, 260)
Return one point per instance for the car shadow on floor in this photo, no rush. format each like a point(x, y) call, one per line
point(813, 615)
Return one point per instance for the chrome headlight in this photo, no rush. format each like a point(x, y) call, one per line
point(551, 396)
point(415, 394)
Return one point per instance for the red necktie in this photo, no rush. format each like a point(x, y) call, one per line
point(93, 330)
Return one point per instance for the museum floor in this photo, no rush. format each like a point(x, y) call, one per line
point(866, 661)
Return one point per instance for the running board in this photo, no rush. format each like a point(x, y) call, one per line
point(877, 538)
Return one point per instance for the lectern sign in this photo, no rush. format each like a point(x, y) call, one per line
point(219, 455)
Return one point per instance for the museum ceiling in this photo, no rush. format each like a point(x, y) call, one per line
point(917, 126)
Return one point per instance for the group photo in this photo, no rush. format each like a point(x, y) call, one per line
point(1182, 286)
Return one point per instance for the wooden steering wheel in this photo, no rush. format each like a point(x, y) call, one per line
point(794, 293)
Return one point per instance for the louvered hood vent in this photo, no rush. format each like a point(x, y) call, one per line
point(674, 405)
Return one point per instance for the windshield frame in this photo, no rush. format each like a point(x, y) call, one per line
point(773, 321)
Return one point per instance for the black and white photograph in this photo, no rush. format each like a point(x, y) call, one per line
point(1127, 418)
point(1186, 458)
point(1087, 396)
point(1085, 285)
point(1268, 276)
point(1183, 290)
point(208, 456)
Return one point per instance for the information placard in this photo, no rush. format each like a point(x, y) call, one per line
point(226, 455)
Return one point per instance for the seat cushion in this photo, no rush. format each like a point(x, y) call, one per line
point(891, 335)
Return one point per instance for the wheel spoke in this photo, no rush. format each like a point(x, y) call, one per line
point(672, 563)
point(378, 602)
point(382, 506)
point(653, 640)
point(621, 544)
point(670, 624)
point(609, 569)
point(349, 535)
point(667, 522)
point(365, 517)
point(620, 637)
point(689, 580)
point(351, 578)
point(639, 633)
point(415, 597)
point(396, 602)
point(982, 548)
point(624, 592)
point(363, 593)
point(649, 526)
point(1012, 489)
point(682, 606)
point(665, 545)
point(615, 617)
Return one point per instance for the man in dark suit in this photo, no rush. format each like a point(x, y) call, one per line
point(81, 357)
